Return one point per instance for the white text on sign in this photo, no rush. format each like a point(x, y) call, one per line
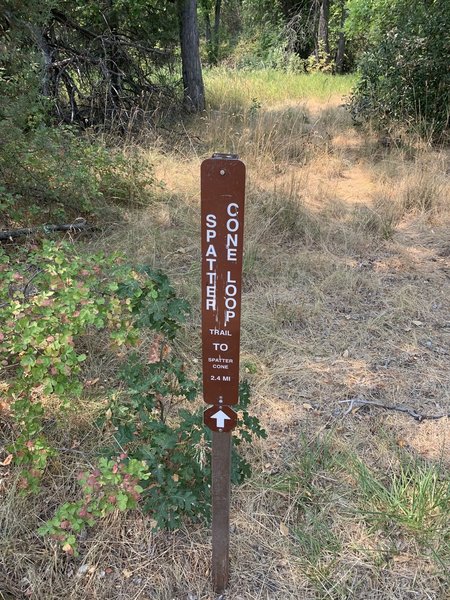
point(232, 239)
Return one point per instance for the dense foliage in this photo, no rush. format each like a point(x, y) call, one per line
point(54, 302)
point(117, 61)
point(281, 35)
point(50, 299)
point(404, 69)
point(50, 172)
point(96, 61)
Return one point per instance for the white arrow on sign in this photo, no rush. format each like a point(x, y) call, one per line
point(220, 418)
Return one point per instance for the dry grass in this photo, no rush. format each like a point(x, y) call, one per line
point(346, 294)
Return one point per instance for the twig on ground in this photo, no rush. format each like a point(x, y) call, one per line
point(77, 225)
point(359, 402)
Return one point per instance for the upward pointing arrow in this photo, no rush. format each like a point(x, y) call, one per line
point(220, 418)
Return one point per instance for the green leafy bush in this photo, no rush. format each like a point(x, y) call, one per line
point(51, 298)
point(153, 426)
point(67, 174)
point(404, 72)
point(165, 459)
point(113, 485)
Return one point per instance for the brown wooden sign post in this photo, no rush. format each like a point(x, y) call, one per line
point(222, 217)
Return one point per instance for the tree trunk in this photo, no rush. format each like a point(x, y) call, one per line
point(194, 92)
point(341, 42)
point(322, 32)
point(43, 42)
point(212, 35)
point(112, 55)
point(209, 40)
point(216, 30)
point(48, 80)
point(208, 35)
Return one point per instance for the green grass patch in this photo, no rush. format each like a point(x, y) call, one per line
point(314, 536)
point(314, 456)
point(241, 89)
point(415, 497)
point(408, 503)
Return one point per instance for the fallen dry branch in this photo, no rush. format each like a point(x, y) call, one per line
point(360, 402)
point(78, 225)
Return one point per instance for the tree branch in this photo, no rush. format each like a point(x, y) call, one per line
point(78, 225)
point(359, 402)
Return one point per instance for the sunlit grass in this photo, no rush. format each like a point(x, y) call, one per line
point(269, 86)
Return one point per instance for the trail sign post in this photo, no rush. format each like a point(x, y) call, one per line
point(222, 226)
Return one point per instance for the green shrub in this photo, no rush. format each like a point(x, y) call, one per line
point(51, 299)
point(114, 484)
point(58, 173)
point(404, 72)
point(53, 172)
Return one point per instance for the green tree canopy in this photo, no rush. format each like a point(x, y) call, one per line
point(404, 69)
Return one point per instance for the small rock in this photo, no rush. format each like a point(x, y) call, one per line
point(284, 529)
point(82, 570)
